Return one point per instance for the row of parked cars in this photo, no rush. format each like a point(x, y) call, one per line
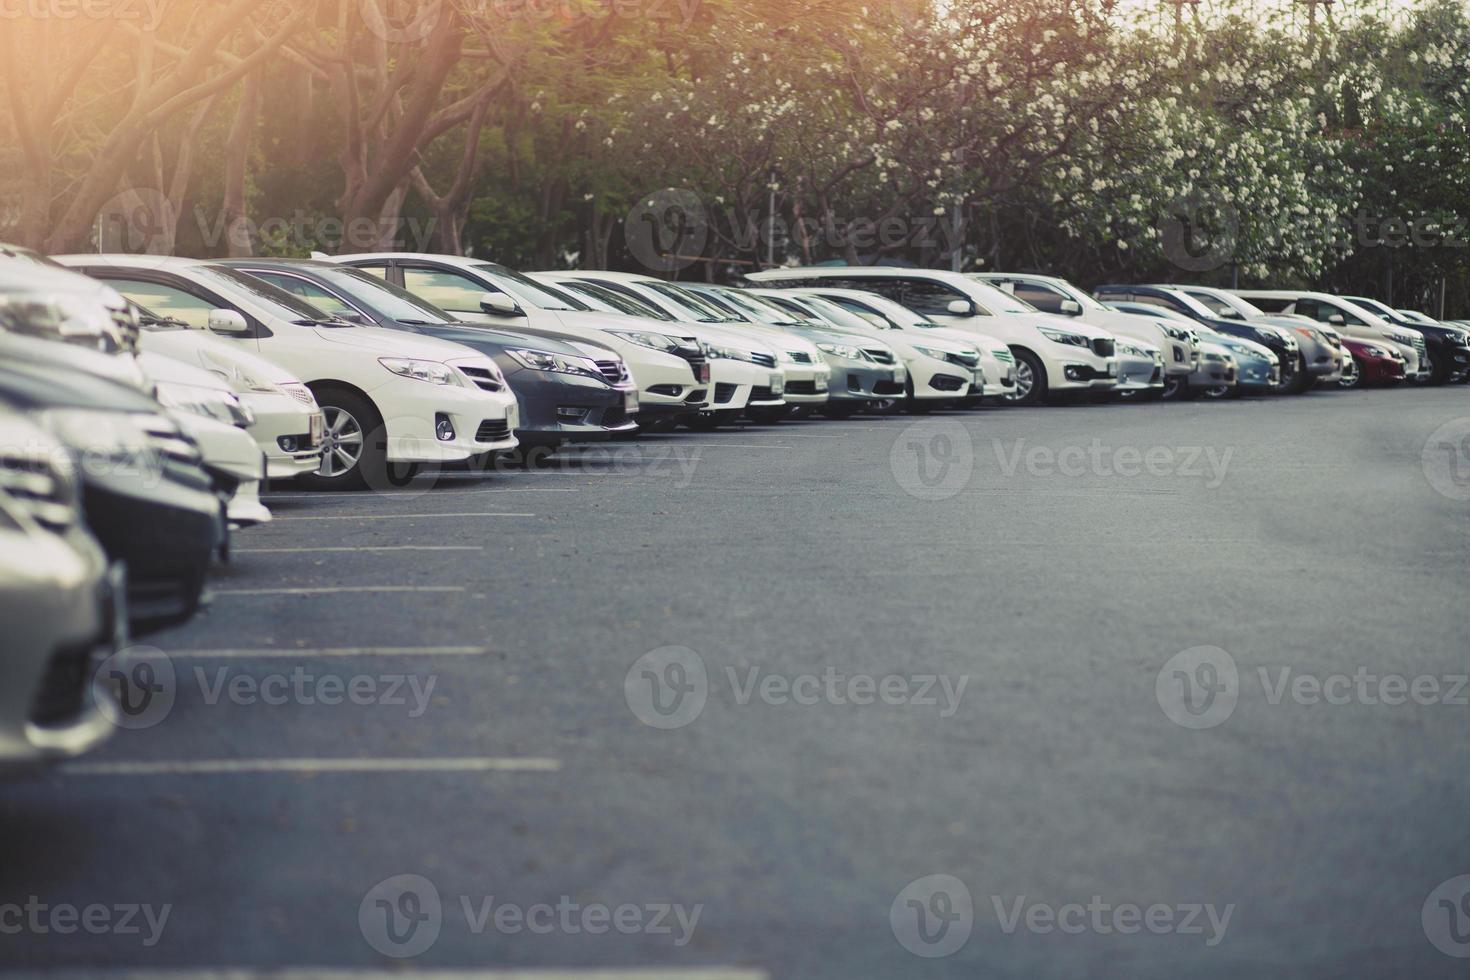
point(145, 401)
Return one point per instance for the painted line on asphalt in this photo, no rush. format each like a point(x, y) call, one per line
point(319, 973)
point(414, 495)
point(365, 547)
point(683, 445)
point(305, 653)
point(228, 767)
point(336, 589)
point(389, 517)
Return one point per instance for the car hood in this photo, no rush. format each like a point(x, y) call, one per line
point(119, 368)
point(188, 345)
point(474, 336)
point(617, 321)
point(164, 368)
point(391, 343)
point(1071, 324)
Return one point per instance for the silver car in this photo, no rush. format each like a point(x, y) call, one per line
point(60, 602)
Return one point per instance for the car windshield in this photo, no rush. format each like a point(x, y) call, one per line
point(274, 300)
point(834, 314)
point(1231, 309)
point(763, 308)
point(997, 300)
point(612, 300)
point(701, 310)
point(393, 301)
point(528, 290)
point(152, 322)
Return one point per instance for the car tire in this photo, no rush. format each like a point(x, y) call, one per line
point(1031, 385)
point(1354, 380)
point(1217, 391)
point(357, 442)
point(1175, 386)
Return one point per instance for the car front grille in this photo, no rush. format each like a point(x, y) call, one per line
point(301, 393)
point(879, 354)
point(61, 694)
point(126, 324)
point(724, 392)
point(614, 372)
point(887, 388)
point(943, 382)
point(1420, 349)
point(170, 443)
point(761, 393)
point(764, 360)
point(800, 356)
point(801, 387)
point(493, 430)
point(483, 378)
point(35, 488)
point(1103, 347)
point(697, 362)
point(968, 360)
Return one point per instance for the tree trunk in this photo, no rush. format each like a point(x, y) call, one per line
point(238, 237)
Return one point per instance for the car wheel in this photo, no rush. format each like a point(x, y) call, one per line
point(1351, 377)
point(1175, 387)
point(1218, 391)
point(1030, 380)
point(354, 444)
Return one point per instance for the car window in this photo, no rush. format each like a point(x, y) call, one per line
point(1042, 297)
point(308, 291)
point(528, 290)
point(452, 291)
point(696, 306)
point(1150, 300)
point(166, 301)
point(277, 302)
point(629, 305)
point(932, 298)
point(381, 271)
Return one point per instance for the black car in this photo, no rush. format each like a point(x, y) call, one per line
point(1295, 378)
point(145, 494)
point(566, 393)
point(1448, 346)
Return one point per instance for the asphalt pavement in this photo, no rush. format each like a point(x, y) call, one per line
point(1127, 690)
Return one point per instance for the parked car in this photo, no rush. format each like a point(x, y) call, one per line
point(1258, 366)
point(1347, 317)
point(391, 400)
point(1296, 369)
point(288, 424)
point(723, 340)
point(904, 329)
point(1446, 347)
point(1218, 375)
point(667, 364)
point(60, 601)
point(1140, 369)
point(566, 392)
point(867, 372)
point(1053, 355)
point(145, 494)
point(1057, 296)
point(41, 299)
point(1374, 363)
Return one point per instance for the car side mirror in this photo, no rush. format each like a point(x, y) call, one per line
point(1071, 307)
point(1337, 320)
point(499, 304)
point(961, 307)
point(228, 322)
point(354, 317)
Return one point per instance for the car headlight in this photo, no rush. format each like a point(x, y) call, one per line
point(102, 438)
point(539, 360)
point(938, 355)
point(239, 378)
point(841, 350)
point(1372, 351)
point(433, 372)
point(64, 317)
point(1401, 338)
point(657, 341)
point(729, 353)
point(1240, 349)
point(222, 406)
point(1061, 337)
point(1130, 350)
point(1174, 333)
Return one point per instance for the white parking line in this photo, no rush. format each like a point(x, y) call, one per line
point(335, 589)
point(306, 653)
point(682, 445)
point(226, 767)
point(365, 547)
point(389, 517)
point(318, 973)
point(414, 495)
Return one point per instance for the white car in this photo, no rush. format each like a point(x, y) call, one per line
point(288, 423)
point(1053, 354)
point(668, 366)
point(909, 331)
point(1140, 369)
point(1319, 344)
point(1350, 319)
point(769, 381)
point(1051, 294)
point(210, 413)
point(391, 400)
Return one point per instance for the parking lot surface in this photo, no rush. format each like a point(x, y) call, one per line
point(738, 693)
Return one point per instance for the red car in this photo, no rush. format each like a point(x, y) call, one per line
point(1376, 363)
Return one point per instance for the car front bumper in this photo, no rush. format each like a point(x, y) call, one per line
point(806, 384)
point(282, 421)
point(557, 407)
point(483, 421)
point(864, 381)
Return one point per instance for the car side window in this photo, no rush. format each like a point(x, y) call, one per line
point(1042, 297)
point(166, 301)
point(447, 290)
point(1310, 308)
point(927, 297)
point(1159, 301)
point(309, 291)
point(381, 271)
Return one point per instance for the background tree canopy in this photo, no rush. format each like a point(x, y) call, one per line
point(1235, 143)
